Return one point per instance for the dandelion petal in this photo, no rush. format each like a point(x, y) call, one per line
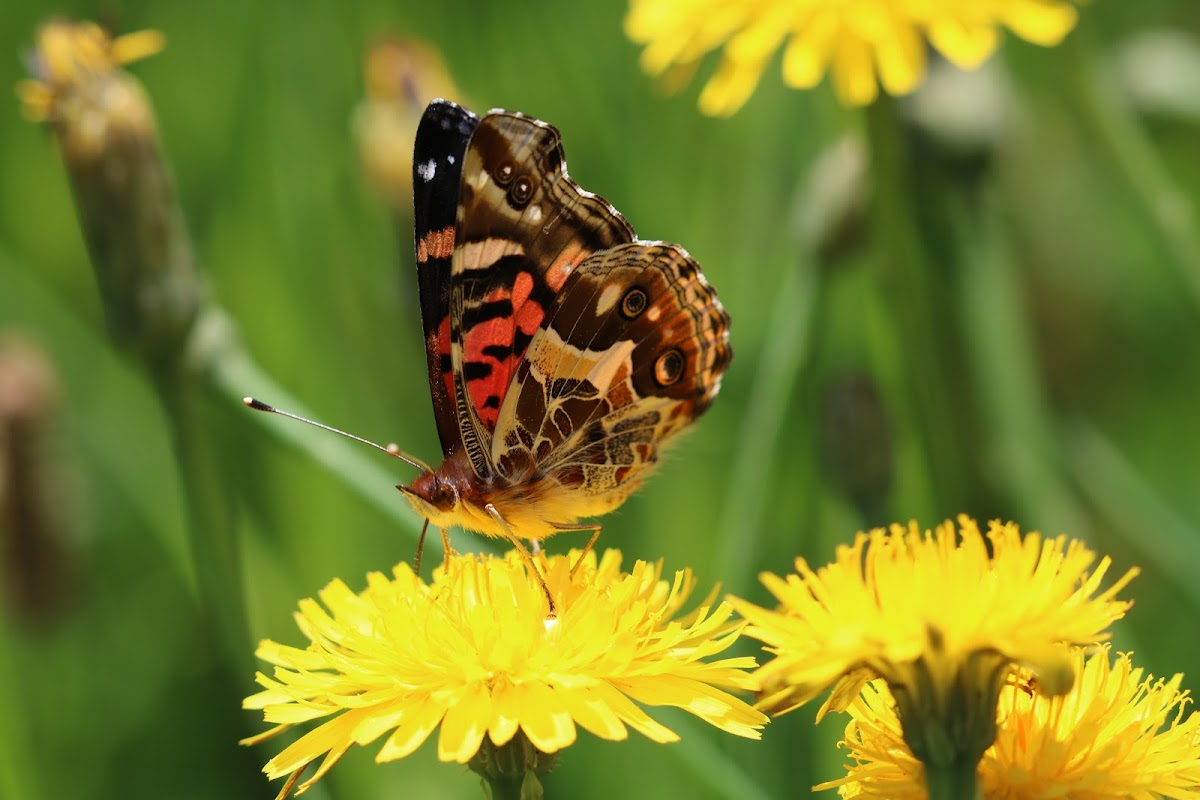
point(464, 725)
point(412, 731)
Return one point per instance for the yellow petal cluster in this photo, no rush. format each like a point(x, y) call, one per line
point(1117, 734)
point(472, 653)
point(918, 609)
point(860, 43)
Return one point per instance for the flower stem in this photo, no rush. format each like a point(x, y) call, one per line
point(527, 787)
point(956, 781)
point(923, 387)
point(151, 288)
point(513, 770)
point(212, 532)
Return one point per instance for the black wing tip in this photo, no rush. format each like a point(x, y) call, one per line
point(445, 129)
point(447, 115)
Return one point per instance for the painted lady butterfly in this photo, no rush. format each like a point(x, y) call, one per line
point(563, 352)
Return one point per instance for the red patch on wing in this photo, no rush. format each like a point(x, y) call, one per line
point(487, 393)
point(521, 289)
point(529, 317)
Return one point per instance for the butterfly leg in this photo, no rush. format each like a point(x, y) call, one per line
point(587, 548)
point(420, 548)
point(447, 548)
point(516, 542)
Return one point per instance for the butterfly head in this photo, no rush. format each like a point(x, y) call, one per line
point(441, 495)
point(431, 495)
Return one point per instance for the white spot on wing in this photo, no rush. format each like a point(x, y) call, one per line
point(534, 213)
point(427, 170)
point(450, 159)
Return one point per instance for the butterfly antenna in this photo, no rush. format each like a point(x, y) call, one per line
point(391, 449)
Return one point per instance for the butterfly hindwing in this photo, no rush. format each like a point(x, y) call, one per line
point(523, 226)
point(632, 350)
point(438, 152)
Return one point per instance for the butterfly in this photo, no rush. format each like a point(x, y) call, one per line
point(563, 352)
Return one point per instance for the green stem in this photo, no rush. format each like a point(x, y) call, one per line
point(212, 529)
point(506, 788)
point(957, 781)
point(908, 280)
point(512, 771)
point(154, 298)
point(1123, 141)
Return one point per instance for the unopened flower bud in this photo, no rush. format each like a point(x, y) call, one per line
point(123, 187)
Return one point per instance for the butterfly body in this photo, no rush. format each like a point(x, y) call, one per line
point(533, 507)
point(563, 352)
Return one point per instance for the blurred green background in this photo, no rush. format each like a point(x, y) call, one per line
point(1011, 329)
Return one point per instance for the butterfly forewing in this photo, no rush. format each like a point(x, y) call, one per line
point(438, 153)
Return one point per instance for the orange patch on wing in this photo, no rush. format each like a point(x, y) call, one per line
point(563, 266)
point(436, 244)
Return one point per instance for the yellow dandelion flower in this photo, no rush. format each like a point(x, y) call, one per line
point(861, 43)
point(1116, 734)
point(941, 618)
point(473, 653)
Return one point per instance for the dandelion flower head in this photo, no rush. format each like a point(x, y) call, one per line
point(940, 616)
point(1117, 733)
point(473, 653)
point(861, 43)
